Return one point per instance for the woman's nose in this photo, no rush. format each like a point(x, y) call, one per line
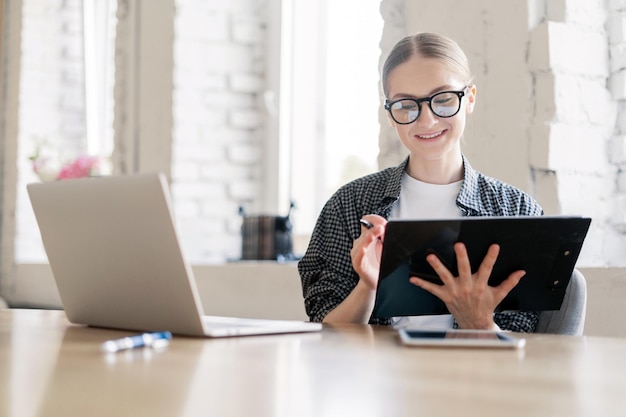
point(426, 117)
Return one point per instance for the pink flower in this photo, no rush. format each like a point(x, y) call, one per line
point(79, 168)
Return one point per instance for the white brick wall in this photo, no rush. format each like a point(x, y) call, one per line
point(218, 121)
point(568, 41)
point(616, 26)
point(617, 84)
point(574, 119)
point(394, 28)
point(51, 101)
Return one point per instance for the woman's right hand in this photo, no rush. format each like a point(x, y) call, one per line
point(367, 250)
point(365, 254)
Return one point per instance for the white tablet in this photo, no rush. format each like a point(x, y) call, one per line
point(461, 338)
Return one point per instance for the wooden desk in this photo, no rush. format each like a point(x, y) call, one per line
point(51, 368)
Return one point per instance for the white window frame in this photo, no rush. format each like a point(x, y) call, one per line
point(302, 137)
point(98, 40)
point(302, 133)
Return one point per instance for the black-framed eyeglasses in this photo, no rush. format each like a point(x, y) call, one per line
point(442, 104)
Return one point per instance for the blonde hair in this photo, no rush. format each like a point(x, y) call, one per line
point(428, 45)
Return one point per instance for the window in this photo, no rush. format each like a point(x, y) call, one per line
point(329, 98)
point(328, 91)
point(66, 85)
point(99, 40)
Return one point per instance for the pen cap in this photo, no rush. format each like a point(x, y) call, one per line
point(157, 339)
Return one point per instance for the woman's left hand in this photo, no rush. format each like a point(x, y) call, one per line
point(469, 297)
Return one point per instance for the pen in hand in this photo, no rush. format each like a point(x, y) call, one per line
point(153, 340)
point(365, 223)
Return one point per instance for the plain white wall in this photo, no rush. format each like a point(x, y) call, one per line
point(496, 141)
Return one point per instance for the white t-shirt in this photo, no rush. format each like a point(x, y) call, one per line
point(421, 200)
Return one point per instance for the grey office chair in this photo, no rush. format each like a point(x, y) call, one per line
point(570, 319)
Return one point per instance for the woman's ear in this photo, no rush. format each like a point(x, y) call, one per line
point(471, 99)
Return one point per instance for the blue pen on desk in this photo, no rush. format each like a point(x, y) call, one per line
point(153, 340)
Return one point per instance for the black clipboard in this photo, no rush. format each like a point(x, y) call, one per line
point(546, 247)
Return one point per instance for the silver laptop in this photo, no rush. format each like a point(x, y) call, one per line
point(115, 255)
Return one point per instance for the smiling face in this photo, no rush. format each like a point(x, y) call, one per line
point(433, 142)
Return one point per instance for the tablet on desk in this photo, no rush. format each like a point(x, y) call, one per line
point(546, 247)
point(460, 338)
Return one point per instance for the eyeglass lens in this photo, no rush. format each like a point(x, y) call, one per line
point(445, 104)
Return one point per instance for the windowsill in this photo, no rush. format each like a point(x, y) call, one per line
point(257, 289)
point(272, 290)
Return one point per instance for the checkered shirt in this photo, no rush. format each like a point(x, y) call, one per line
point(326, 267)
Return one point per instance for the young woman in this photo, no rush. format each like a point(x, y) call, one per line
point(429, 95)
